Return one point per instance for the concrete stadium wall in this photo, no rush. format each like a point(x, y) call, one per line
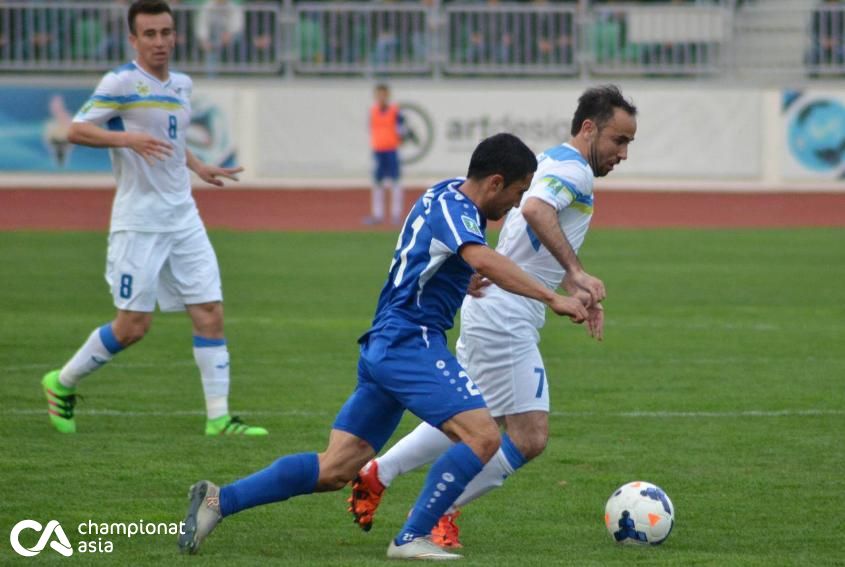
point(314, 133)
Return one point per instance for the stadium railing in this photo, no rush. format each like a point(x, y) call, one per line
point(663, 39)
point(79, 36)
point(516, 39)
point(433, 38)
point(361, 38)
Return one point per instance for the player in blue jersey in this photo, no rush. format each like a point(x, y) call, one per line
point(404, 362)
point(158, 251)
point(542, 236)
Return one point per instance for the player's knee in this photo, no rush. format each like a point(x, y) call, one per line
point(207, 319)
point(532, 445)
point(131, 332)
point(485, 442)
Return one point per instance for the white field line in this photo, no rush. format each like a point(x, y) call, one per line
point(563, 414)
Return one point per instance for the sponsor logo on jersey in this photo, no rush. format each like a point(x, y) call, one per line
point(471, 225)
point(142, 88)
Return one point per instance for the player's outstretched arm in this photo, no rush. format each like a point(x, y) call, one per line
point(503, 272)
point(210, 173)
point(89, 134)
point(542, 218)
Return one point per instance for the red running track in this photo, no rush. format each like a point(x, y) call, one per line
point(343, 209)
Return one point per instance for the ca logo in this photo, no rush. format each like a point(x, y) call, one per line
point(62, 546)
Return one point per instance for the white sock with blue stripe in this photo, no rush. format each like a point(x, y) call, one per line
point(212, 357)
point(503, 464)
point(100, 347)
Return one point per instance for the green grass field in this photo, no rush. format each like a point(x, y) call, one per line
point(721, 378)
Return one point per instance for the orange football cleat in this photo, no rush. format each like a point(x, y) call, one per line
point(367, 490)
point(445, 533)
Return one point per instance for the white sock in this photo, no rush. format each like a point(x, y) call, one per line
point(90, 357)
point(492, 476)
point(397, 202)
point(377, 201)
point(419, 447)
point(212, 358)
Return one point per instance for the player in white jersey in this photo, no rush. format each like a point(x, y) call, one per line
point(500, 331)
point(158, 250)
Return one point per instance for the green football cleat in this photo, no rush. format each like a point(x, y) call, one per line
point(60, 402)
point(232, 426)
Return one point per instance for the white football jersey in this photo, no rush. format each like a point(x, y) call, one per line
point(149, 198)
point(564, 180)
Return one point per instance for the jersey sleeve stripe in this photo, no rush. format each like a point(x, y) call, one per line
point(557, 183)
point(458, 239)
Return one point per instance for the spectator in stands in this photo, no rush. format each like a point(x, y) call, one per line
point(37, 36)
point(220, 24)
point(310, 38)
point(386, 47)
point(112, 45)
point(261, 31)
point(608, 36)
point(827, 46)
point(554, 37)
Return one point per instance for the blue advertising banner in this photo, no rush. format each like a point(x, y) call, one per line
point(814, 125)
point(34, 122)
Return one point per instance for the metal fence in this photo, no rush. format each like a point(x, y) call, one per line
point(430, 38)
point(65, 36)
point(674, 39)
point(363, 38)
point(498, 39)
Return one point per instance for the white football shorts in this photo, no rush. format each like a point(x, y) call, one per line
point(174, 269)
point(507, 368)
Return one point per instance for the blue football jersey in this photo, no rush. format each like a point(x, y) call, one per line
point(428, 279)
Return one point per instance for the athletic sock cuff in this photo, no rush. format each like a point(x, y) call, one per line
point(512, 454)
point(109, 340)
point(204, 342)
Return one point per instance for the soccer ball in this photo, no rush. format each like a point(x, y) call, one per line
point(639, 513)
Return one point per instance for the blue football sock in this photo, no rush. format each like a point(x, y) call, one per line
point(446, 480)
point(512, 453)
point(289, 476)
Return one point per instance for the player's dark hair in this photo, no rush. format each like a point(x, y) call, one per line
point(382, 87)
point(598, 104)
point(146, 7)
point(504, 154)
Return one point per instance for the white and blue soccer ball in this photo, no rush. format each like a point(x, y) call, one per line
point(639, 513)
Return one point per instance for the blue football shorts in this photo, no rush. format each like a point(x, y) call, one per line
point(387, 165)
point(403, 367)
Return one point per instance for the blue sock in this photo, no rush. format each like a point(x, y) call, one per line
point(109, 340)
point(289, 476)
point(446, 480)
point(512, 454)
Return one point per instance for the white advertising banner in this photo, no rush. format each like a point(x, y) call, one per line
point(812, 124)
point(319, 131)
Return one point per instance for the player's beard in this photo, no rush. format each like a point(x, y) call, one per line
point(595, 164)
